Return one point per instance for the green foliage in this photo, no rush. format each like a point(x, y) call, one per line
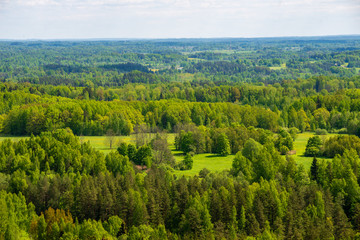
point(252, 149)
point(118, 164)
point(55, 187)
point(313, 146)
point(314, 170)
point(321, 131)
point(223, 145)
point(284, 142)
point(338, 145)
point(187, 163)
point(113, 226)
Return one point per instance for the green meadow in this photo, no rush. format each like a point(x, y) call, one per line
point(283, 66)
point(300, 146)
point(210, 161)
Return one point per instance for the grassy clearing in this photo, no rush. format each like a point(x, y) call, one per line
point(283, 66)
point(185, 77)
point(300, 146)
point(16, 139)
point(100, 143)
point(210, 161)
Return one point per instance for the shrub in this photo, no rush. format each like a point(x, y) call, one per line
point(321, 131)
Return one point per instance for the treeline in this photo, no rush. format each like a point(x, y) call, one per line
point(145, 86)
point(230, 140)
point(27, 109)
point(96, 117)
point(83, 194)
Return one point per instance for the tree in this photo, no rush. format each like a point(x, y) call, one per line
point(161, 151)
point(185, 142)
point(113, 226)
point(242, 165)
point(313, 146)
point(143, 156)
point(251, 149)
point(131, 151)
point(188, 162)
point(314, 169)
point(223, 145)
point(123, 149)
point(110, 138)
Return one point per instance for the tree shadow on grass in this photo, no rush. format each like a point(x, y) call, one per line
point(215, 156)
point(179, 154)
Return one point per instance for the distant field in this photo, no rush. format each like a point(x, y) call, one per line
point(185, 76)
point(283, 66)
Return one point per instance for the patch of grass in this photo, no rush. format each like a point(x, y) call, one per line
point(300, 146)
point(16, 139)
point(99, 142)
point(283, 66)
point(185, 76)
point(212, 162)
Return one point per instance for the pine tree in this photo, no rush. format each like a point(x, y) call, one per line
point(314, 169)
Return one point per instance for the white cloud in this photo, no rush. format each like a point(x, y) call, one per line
point(176, 18)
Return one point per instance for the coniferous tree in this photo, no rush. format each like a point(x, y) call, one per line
point(314, 169)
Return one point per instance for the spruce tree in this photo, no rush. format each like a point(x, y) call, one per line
point(314, 169)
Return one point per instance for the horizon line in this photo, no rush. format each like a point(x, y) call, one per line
point(173, 38)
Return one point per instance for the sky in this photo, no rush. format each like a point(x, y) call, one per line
point(83, 19)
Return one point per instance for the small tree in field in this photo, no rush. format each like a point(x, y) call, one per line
point(188, 162)
point(110, 138)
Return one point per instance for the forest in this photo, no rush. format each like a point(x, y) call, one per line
point(179, 100)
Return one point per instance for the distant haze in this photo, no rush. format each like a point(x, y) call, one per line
point(79, 19)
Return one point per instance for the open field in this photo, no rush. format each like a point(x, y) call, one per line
point(283, 66)
point(210, 161)
point(99, 142)
point(300, 146)
point(12, 138)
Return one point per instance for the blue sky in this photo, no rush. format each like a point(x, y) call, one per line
point(78, 19)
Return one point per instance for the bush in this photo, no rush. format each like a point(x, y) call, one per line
point(188, 162)
point(283, 149)
point(321, 131)
point(293, 132)
point(313, 146)
point(185, 164)
point(204, 172)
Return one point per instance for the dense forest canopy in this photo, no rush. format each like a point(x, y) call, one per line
point(245, 98)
